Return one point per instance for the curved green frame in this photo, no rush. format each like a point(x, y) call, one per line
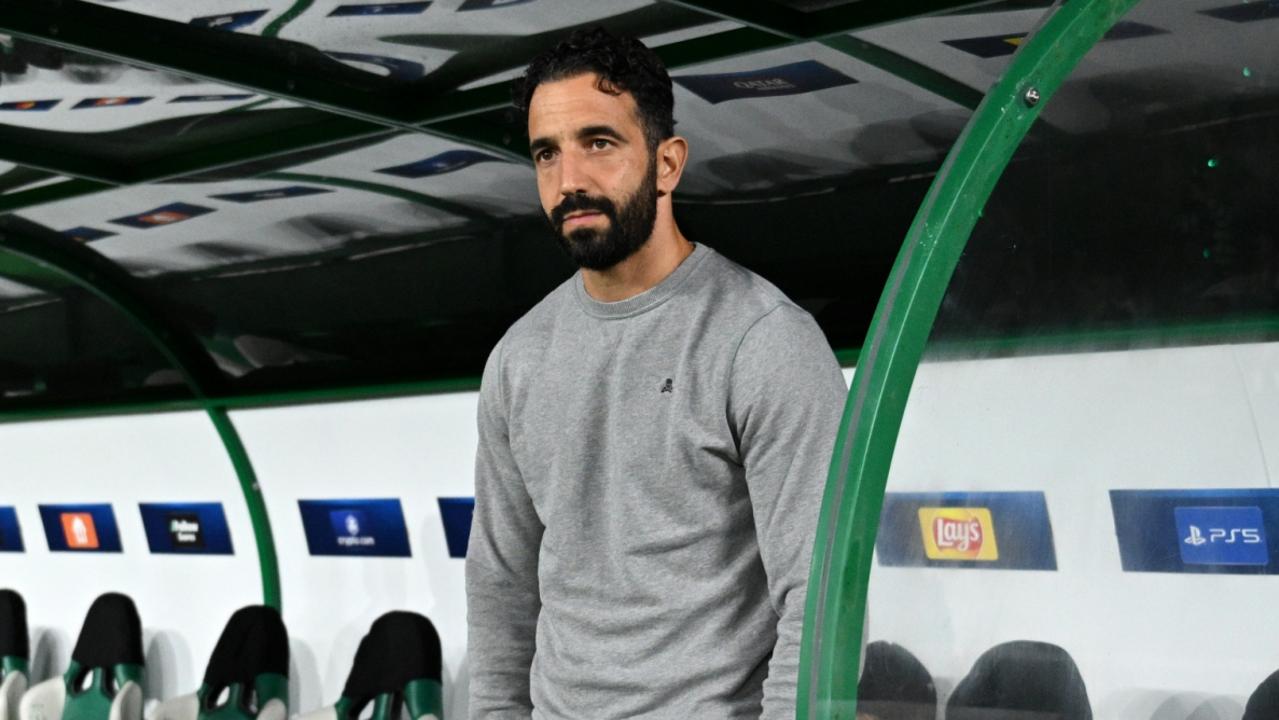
point(96, 274)
point(854, 495)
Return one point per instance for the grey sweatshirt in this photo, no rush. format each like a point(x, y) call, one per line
point(647, 488)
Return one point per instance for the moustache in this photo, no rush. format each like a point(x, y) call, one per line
point(580, 203)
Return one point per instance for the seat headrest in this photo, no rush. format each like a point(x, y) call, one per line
point(111, 635)
point(893, 674)
point(400, 647)
point(254, 642)
point(13, 625)
point(1026, 676)
point(1263, 704)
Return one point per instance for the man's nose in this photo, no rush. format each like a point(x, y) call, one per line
point(573, 178)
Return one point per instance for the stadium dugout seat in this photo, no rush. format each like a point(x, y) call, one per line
point(895, 685)
point(247, 677)
point(397, 666)
point(1021, 680)
point(104, 678)
point(14, 653)
point(1263, 704)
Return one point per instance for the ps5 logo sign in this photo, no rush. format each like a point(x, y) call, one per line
point(1248, 536)
point(1222, 535)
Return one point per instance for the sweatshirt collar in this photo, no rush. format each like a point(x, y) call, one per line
point(645, 301)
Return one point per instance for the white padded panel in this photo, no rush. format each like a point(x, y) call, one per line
point(185, 707)
point(127, 704)
point(44, 701)
point(11, 695)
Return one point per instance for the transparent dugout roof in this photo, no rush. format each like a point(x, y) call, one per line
point(1080, 520)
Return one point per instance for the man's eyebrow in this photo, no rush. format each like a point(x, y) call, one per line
point(540, 144)
point(591, 131)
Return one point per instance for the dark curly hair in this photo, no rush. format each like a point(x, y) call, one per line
point(623, 64)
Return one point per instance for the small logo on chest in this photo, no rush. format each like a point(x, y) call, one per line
point(668, 386)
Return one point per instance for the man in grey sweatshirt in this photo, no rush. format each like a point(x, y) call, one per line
point(654, 438)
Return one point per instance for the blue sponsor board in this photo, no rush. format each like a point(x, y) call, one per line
point(397, 69)
point(291, 191)
point(1198, 531)
point(229, 21)
point(102, 102)
point(456, 514)
point(80, 528)
point(791, 79)
point(363, 527)
point(186, 528)
point(396, 8)
point(488, 4)
point(29, 105)
point(212, 98)
point(84, 233)
point(446, 162)
point(978, 530)
point(10, 531)
point(164, 215)
point(1247, 11)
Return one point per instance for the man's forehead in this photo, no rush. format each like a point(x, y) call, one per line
point(564, 106)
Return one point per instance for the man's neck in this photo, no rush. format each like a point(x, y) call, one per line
point(650, 265)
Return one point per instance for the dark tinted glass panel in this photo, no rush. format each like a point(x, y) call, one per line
point(1143, 197)
point(61, 345)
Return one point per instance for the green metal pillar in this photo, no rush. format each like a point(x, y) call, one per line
point(849, 521)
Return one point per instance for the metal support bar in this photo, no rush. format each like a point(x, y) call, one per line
point(108, 281)
point(849, 521)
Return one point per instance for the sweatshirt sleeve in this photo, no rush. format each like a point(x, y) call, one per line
point(786, 397)
point(502, 596)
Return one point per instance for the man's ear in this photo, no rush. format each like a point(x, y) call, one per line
point(672, 155)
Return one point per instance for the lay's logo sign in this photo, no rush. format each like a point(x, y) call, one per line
point(958, 533)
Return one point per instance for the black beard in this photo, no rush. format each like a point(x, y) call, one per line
point(628, 228)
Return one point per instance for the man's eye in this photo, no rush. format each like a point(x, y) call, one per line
point(544, 155)
point(600, 143)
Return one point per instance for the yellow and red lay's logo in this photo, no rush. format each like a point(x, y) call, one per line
point(958, 533)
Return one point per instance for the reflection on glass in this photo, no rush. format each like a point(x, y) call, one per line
point(49, 88)
point(59, 344)
point(1080, 520)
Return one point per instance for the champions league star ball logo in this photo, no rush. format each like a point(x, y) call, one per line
point(350, 528)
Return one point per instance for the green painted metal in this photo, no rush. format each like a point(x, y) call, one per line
point(849, 520)
point(293, 13)
point(121, 291)
point(424, 697)
point(267, 560)
point(12, 664)
point(94, 703)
